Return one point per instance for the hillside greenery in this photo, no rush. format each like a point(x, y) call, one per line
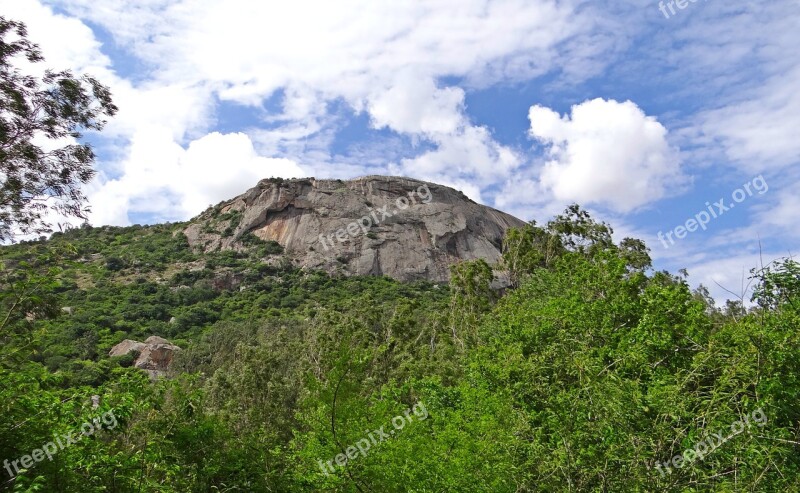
point(590, 373)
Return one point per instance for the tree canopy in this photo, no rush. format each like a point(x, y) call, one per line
point(594, 373)
point(42, 119)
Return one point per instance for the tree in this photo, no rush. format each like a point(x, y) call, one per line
point(636, 254)
point(779, 284)
point(37, 175)
point(532, 247)
point(579, 232)
point(471, 297)
point(528, 248)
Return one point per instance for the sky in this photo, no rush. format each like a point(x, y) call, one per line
point(675, 121)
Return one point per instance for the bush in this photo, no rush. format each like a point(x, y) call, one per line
point(263, 247)
point(126, 360)
point(189, 277)
point(115, 264)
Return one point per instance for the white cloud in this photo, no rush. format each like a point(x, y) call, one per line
point(781, 215)
point(414, 105)
point(607, 153)
point(524, 197)
point(388, 59)
point(344, 47)
point(148, 170)
point(48, 30)
point(179, 110)
point(162, 178)
point(743, 57)
point(728, 278)
point(760, 132)
point(469, 154)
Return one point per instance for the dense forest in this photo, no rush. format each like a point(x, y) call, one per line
point(591, 372)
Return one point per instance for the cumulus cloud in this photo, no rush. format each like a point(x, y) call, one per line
point(386, 59)
point(179, 110)
point(49, 30)
point(171, 183)
point(413, 105)
point(344, 47)
point(605, 152)
point(470, 153)
point(160, 161)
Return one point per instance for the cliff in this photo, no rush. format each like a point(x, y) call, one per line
point(375, 225)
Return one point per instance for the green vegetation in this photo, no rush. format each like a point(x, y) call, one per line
point(588, 374)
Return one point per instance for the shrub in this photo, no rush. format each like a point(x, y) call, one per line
point(115, 264)
point(126, 360)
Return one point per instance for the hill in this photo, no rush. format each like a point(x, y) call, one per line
point(375, 225)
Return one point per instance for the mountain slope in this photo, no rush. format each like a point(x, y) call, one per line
point(374, 225)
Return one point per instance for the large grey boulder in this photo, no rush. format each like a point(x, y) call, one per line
point(125, 347)
point(155, 354)
point(374, 225)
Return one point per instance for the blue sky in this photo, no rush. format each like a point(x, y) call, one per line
point(642, 112)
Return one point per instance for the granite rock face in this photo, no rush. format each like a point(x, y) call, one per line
point(375, 225)
point(155, 354)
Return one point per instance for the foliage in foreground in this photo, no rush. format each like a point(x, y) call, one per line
point(37, 115)
point(589, 375)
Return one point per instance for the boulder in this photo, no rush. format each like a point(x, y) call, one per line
point(155, 354)
point(125, 347)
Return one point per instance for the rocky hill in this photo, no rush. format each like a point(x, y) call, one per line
point(374, 225)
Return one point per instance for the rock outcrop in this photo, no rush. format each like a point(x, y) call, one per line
point(155, 354)
point(375, 225)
